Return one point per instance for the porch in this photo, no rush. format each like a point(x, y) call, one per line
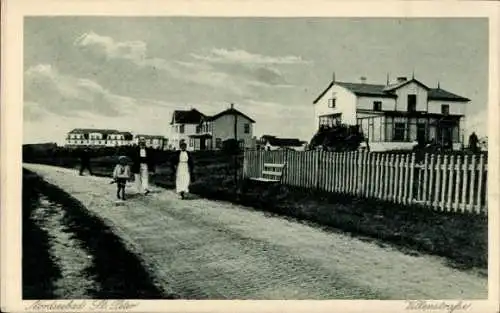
point(200, 141)
point(402, 130)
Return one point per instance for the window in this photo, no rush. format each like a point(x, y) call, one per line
point(377, 105)
point(399, 131)
point(412, 103)
point(421, 132)
point(445, 109)
point(332, 103)
point(181, 129)
point(198, 129)
point(218, 143)
point(247, 128)
point(191, 142)
point(330, 120)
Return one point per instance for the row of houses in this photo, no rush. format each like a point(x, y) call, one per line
point(391, 116)
point(79, 137)
point(198, 130)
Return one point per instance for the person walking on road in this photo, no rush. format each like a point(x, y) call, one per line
point(85, 161)
point(121, 175)
point(143, 164)
point(183, 165)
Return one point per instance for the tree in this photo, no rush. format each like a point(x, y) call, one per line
point(337, 138)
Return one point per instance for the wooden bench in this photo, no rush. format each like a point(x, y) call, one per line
point(272, 173)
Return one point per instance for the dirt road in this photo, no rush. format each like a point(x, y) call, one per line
point(201, 249)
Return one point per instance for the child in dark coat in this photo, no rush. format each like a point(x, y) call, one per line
point(121, 175)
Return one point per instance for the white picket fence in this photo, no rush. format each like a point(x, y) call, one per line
point(444, 182)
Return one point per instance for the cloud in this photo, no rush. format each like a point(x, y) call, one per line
point(243, 57)
point(131, 50)
point(33, 111)
point(478, 123)
point(47, 89)
point(200, 73)
point(136, 52)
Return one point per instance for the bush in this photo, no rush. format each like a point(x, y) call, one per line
point(231, 147)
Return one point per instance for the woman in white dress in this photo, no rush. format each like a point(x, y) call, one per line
point(183, 169)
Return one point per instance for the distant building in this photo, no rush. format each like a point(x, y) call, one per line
point(213, 130)
point(183, 125)
point(98, 137)
point(153, 141)
point(268, 142)
point(394, 115)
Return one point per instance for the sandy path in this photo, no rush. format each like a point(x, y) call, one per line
point(203, 249)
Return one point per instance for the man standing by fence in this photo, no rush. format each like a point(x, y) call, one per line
point(473, 143)
point(143, 164)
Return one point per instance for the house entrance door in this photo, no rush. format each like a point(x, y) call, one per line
point(203, 144)
point(445, 138)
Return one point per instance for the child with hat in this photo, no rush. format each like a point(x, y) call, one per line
point(120, 175)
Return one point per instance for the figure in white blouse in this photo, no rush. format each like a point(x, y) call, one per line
point(183, 169)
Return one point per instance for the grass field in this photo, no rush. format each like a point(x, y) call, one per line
point(461, 238)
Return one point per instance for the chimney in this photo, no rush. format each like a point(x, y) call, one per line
point(232, 105)
point(363, 79)
point(401, 79)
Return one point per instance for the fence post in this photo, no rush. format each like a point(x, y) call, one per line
point(443, 186)
point(406, 178)
point(359, 172)
point(480, 183)
point(385, 166)
point(465, 183)
point(391, 168)
point(472, 183)
point(438, 181)
point(245, 161)
point(378, 176)
point(284, 179)
point(403, 162)
point(458, 177)
point(425, 187)
point(412, 173)
point(451, 169)
point(317, 169)
point(396, 178)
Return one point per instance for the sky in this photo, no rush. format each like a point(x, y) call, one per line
point(130, 73)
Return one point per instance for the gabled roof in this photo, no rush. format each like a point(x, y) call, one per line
point(284, 142)
point(192, 116)
point(330, 85)
point(384, 91)
point(403, 83)
point(368, 89)
point(230, 111)
point(94, 130)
